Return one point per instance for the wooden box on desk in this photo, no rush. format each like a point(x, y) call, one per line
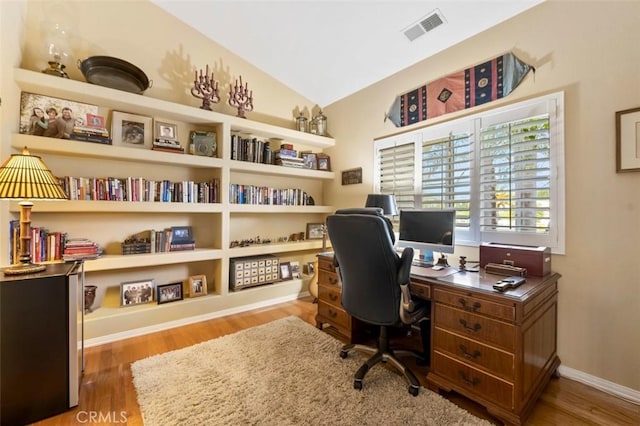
point(536, 260)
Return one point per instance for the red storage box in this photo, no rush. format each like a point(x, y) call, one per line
point(536, 260)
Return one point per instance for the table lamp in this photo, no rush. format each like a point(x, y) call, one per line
point(387, 202)
point(25, 177)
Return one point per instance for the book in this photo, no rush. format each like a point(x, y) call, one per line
point(90, 138)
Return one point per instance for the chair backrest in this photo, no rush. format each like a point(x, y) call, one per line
point(370, 269)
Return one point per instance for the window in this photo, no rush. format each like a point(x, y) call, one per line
point(501, 170)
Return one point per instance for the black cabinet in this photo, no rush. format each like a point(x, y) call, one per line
point(39, 343)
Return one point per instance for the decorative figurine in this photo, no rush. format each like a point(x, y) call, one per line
point(205, 88)
point(240, 97)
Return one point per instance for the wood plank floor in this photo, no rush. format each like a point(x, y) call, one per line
point(107, 395)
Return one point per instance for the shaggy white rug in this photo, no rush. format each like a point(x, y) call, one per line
point(286, 372)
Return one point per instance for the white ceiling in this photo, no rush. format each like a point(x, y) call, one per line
point(326, 50)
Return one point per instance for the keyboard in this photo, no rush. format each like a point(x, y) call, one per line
point(421, 263)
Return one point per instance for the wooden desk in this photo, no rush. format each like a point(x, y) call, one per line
point(498, 349)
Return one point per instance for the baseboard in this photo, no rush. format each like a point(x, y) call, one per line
point(189, 320)
point(611, 388)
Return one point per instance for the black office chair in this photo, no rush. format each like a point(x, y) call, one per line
point(375, 286)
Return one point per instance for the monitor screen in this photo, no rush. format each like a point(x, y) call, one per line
point(428, 230)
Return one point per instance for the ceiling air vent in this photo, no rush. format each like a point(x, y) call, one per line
point(427, 23)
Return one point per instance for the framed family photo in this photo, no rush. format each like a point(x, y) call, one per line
point(137, 292)
point(130, 130)
point(164, 130)
point(285, 271)
point(169, 292)
point(42, 115)
point(197, 285)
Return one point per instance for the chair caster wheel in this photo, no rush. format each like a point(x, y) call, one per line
point(357, 384)
point(344, 354)
point(414, 390)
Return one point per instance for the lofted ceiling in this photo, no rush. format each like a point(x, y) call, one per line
point(326, 50)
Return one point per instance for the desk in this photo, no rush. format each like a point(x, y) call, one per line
point(498, 349)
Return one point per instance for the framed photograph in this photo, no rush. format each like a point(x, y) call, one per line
point(310, 268)
point(130, 130)
point(137, 292)
point(324, 162)
point(203, 143)
point(315, 231)
point(169, 293)
point(352, 176)
point(296, 273)
point(166, 131)
point(51, 117)
point(628, 140)
point(285, 271)
point(197, 285)
point(310, 160)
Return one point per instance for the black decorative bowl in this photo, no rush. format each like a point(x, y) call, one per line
point(114, 73)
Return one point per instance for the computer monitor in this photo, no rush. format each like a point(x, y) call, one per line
point(428, 230)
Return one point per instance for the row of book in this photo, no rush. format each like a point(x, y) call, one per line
point(253, 150)
point(141, 189)
point(47, 246)
point(177, 238)
point(251, 194)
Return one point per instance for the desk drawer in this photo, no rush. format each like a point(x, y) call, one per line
point(468, 351)
point(330, 294)
point(475, 326)
point(420, 290)
point(334, 315)
point(326, 264)
point(476, 305)
point(328, 278)
point(462, 375)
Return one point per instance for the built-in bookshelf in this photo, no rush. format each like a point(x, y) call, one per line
point(215, 224)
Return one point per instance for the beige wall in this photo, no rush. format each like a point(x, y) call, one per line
point(589, 50)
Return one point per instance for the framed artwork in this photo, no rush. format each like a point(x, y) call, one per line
point(352, 176)
point(130, 130)
point(166, 131)
point(197, 285)
point(310, 160)
point(51, 117)
point(315, 231)
point(203, 143)
point(310, 268)
point(285, 271)
point(137, 292)
point(628, 140)
point(324, 162)
point(169, 293)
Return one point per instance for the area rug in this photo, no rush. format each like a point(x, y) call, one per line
point(285, 372)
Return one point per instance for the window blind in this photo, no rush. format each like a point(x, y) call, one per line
point(396, 173)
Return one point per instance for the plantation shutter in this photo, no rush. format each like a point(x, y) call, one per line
point(446, 176)
point(396, 173)
point(515, 176)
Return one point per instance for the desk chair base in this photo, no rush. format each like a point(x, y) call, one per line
point(383, 353)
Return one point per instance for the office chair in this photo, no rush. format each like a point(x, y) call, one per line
point(375, 286)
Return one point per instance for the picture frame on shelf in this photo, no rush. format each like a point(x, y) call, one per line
point(310, 268)
point(165, 131)
point(137, 292)
point(296, 274)
point(628, 140)
point(310, 160)
point(324, 162)
point(203, 143)
point(285, 271)
point(197, 285)
point(37, 112)
point(315, 231)
point(167, 293)
point(131, 130)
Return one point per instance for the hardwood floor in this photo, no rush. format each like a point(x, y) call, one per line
point(107, 395)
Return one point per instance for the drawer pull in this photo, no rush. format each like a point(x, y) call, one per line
point(476, 326)
point(333, 297)
point(473, 382)
point(476, 305)
point(333, 281)
point(332, 313)
point(468, 354)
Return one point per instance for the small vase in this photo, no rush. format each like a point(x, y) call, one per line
point(89, 297)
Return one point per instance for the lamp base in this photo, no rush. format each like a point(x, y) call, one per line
point(24, 268)
point(57, 69)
